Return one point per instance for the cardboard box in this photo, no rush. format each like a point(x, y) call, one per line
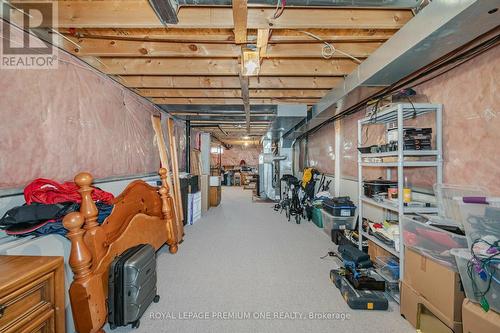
point(437, 284)
point(409, 303)
point(215, 195)
point(423, 315)
point(376, 251)
point(475, 320)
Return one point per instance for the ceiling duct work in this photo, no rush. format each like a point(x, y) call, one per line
point(438, 29)
point(315, 3)
point(287, 117)
point(166, 10)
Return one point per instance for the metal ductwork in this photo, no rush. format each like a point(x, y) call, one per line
point(315, 3)
point(287, 117)
point(438, 29)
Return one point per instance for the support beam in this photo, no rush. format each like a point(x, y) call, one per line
point(240, 13)
point(224, 67)
point(139, 14)
point(262, 40)
point(228, 82)
point(245, 96)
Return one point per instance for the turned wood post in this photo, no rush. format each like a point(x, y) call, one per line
point(80, 258)
point(168, 212)
point(88, 207)
point(94, 237)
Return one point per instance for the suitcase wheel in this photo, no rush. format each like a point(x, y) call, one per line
point(156, 299)
point(136, 323)
point(112, 326)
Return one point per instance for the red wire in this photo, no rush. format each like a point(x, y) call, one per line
point(282, 9)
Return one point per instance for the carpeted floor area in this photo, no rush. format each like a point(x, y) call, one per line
point(243, 259)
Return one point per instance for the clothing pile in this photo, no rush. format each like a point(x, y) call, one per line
point(47, 202)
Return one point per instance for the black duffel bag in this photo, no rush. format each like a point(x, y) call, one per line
point(35, 213)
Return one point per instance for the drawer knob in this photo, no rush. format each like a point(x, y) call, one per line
point(2, 309)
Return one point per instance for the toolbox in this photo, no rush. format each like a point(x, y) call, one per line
point(359, 299)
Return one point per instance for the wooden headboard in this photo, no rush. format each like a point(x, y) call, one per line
point(141, 214)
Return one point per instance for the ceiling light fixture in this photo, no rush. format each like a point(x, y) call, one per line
point(250, 64)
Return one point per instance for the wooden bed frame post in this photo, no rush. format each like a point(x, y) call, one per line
point(94, 239)
point(168, 212)
point(87, 297)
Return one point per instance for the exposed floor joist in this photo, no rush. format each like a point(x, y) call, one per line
point(224, 67)
point(232, 93)
point(123, 48)
point(139, 14)
point(281, 36)
point(234, 101)
point(228, 82)
point(198, 61)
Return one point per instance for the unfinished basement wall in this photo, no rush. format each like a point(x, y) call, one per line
point(233, 156)
point(470, 94)
point(56, 123)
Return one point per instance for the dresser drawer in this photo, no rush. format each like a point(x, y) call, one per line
point(25, 300)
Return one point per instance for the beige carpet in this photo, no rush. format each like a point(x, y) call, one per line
point(243, 268)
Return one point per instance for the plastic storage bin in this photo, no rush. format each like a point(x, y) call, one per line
point(317, 217)
point(432, 241)
point(481, 220)
point(473, 284)
point(388, 268)
point(446, 194)
point(337, 222)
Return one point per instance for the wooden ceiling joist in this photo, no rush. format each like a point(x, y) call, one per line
point(227, 67)
point(233, 101)
point(227, 35)
point(228, 82)
point(240, 13)
point(122, 48)
point(139, 14)
point(232, 93)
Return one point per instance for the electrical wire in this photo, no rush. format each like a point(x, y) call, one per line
point(477, 265)
point(328, 50)
point(280, 8)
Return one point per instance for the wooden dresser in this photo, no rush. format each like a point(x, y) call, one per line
point(31, 294)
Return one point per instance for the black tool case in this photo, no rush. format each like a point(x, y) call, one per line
point(131, 285)
point(359, 299)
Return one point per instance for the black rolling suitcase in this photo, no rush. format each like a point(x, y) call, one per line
point(131, 286)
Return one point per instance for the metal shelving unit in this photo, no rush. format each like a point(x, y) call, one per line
point(398, 113)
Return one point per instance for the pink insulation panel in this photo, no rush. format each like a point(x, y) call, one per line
point(470, 94)
point(233, 156)
point(58, 122)
point(321, 149)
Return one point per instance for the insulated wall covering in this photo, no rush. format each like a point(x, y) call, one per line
point(321, 149)
point(233, 156)
point(58, 122)
point(470, 96)
point(471, 122)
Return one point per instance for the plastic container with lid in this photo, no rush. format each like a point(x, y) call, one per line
point(432, 240)
point(480, 217)
point(476, 286)
point(388, 268)
point(331, 222)
point(448, 209)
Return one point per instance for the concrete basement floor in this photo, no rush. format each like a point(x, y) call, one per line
point(246, 259)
